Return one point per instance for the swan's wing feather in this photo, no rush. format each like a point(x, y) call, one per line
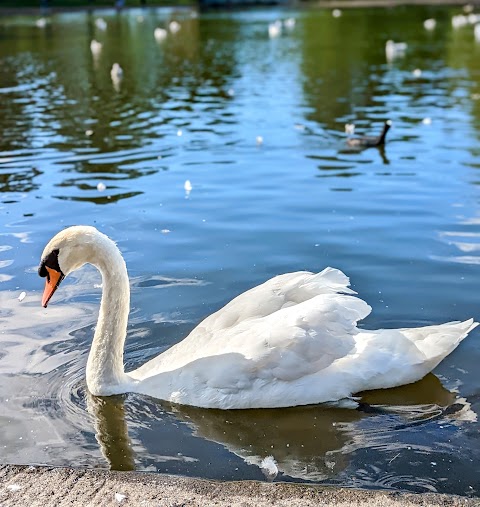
point(219, 333)
point(279, 292)
point(305, 339)
point(292, 343)
point(392, 357)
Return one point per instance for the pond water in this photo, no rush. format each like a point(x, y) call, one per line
point(403, 222)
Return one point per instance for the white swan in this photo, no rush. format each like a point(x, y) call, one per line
point(291, 341)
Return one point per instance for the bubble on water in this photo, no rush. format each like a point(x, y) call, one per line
point(101, 186)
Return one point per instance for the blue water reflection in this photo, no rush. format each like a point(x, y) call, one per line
point(256, 125)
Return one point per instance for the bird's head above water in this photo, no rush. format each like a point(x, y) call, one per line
point(67, 251)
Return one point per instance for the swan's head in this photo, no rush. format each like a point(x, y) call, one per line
point(67, 251)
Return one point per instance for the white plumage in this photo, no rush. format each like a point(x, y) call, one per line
point(291, 341)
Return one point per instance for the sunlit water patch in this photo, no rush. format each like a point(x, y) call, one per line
point(218, 159)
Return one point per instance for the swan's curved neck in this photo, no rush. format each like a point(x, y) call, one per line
point(105, 371)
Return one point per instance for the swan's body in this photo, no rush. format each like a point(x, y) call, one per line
point(290, 341)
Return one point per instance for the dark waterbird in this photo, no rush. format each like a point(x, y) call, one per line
point(368, 141)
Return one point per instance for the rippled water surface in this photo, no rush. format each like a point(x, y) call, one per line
point(256, 124)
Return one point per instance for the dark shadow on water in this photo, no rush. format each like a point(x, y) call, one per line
point(111, 430)
point(308, 443)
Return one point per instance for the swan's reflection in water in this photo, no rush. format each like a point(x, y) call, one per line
point(308, 443)
point(111, 431)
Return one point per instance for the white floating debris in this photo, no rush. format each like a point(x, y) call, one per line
point(179, 133)
point(429, 24)
point(349, 128)
point(101, 24)
point(119, 497)
point(22, 296)
point(89, 132)
point(259, 139)
point(95, 47)
point(336, 13)
point(468, 8)
point(330, 464)
point(14, 487)
point(476, 32)
point(269, 467)
point(459, 20)
point(160, 34)
point(473, 18)
point(31, 469)
point(394, 49)
point(101, 186)
point(187, 186)
point(165, 231)
point(427, 121)
point(230, 92)
point(41, 23)
point(117, 71)
point(289, 23)
point(174, 26)
point(274, 29)
point(417, 72)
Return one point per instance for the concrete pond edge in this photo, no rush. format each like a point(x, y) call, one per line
point(42, 486)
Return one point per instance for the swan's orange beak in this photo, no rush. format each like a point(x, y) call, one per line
point(52, 282)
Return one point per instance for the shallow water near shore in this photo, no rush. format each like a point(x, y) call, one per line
point(255, 124)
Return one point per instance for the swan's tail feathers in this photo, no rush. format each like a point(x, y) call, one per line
point(436, 342)
point(330, 281)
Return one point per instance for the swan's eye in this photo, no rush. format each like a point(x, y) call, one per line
point(50, 261)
